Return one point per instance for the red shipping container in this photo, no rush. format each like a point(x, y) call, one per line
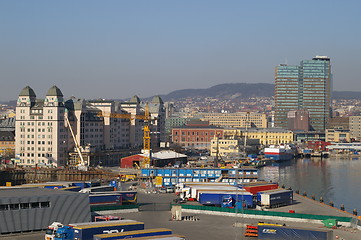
point(260, 188)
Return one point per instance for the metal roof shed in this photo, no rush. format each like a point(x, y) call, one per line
point(31, 209)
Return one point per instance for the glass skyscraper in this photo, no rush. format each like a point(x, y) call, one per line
point(306, 87)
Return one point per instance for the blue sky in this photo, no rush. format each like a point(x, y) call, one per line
point(116, 49)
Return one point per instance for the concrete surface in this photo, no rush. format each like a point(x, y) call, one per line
point(211, 227)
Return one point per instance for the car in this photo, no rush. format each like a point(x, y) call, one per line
point(179, 200)
point(170, 190)
point(162, 190)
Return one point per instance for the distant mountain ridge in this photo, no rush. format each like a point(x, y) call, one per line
point(243, 91)
point(227, 90)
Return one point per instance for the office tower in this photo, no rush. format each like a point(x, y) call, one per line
point(307, 87)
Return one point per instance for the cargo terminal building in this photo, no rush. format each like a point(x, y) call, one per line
point(34, 209)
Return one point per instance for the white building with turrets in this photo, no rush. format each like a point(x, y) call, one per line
point(41, 137)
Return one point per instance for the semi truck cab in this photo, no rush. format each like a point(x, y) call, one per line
point(64, 233)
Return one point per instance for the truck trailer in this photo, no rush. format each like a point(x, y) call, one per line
point(105, 199)
point(275, 198)
point(286, 233)
point(51, 230)
point(226, 199)
point(128, 197)
point(192, 192)
point(163, 237)
point(87, 231)
point(134, 234)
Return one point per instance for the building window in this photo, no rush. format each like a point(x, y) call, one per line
point(14, 206)
point(24, 205)
point(35, 205)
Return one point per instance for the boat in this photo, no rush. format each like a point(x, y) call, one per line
point(279, 152)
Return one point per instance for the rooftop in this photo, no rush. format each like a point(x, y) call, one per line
point(27, 92)
point(54, 91)
point(18, 192)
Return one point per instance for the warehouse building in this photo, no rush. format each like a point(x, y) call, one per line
point(32, 209)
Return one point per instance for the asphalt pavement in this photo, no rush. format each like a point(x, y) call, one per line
point(211, 227)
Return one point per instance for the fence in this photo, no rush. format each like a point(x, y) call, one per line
point(155, 207)
point(268, 213)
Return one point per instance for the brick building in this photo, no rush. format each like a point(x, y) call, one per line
point(196, 135)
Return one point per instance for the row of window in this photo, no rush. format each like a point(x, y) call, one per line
point(39, 117)
point(195, 133)
point(39, 154)
point(18, 206)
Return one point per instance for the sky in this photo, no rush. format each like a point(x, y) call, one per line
point(115, 49)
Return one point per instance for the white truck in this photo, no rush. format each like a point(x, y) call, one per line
point(50, 231)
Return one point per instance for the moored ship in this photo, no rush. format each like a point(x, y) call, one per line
point(279, 152)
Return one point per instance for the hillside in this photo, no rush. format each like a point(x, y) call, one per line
point(243, 90)
point(227, 90)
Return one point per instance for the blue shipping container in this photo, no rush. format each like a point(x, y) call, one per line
point(216, 198)
point(134, 234)
point(113, 199)
point(88, 232)
point(286, 233)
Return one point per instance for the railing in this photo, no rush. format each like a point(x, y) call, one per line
point(267, 213)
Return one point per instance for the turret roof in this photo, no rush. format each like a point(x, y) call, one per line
point(28, 92)
point(157, 99)
point(54, 91)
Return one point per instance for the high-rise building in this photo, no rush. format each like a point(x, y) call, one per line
point(307, 86)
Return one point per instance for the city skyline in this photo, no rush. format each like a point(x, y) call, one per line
point(115, 50)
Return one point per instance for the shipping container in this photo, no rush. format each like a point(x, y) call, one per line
point(164, 237)
point(286, 233)
point(217, 198)
point(128, 197)
point(97, 189)
point(275, 198)
point(105, 199)
point(97, 223)
point(87, 231)
point(193, 191)
point(255, 188)
point(133, 234)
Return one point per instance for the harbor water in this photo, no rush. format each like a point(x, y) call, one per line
point(333, 179)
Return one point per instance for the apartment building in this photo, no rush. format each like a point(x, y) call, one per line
point(333, 135)
point(266, 136)
point(196, 135)
point(41, 136)
point(355, 127)
point(236, 120)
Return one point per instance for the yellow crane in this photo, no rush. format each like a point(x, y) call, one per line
point(146, 130)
